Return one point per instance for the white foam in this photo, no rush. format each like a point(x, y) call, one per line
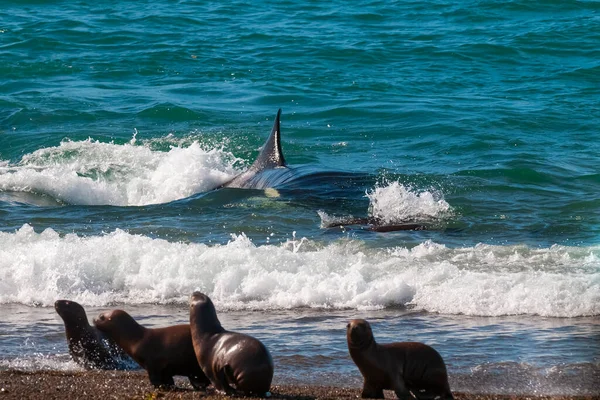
point(523, 379)
point(396, 203)
point(38, 268)
point(40, 362)
point(333, 220)
point(94, 173)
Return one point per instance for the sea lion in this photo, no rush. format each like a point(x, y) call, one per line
point(403, 367)
point(233, 362)
point(163, 352)
point(89, 347)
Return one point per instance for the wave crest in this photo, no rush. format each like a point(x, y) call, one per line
point(94, 173)
point(560, 281)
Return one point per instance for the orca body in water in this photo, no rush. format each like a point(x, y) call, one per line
point(270, 170)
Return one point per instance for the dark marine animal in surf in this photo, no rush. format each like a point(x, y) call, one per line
point(89, 347)
point(408, 368)
point(270, 170)
point(162, 352)
point(234, 362)
point(376, 225)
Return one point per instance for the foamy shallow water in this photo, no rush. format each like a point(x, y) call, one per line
point(483, 354)
point(507, 319)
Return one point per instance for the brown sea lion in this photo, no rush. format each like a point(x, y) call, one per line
point(403, 367)
point(89, 347)
point(163, 352)
point(233, 362)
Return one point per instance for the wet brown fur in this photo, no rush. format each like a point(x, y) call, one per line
point(87, 345)
point(162, 352)
point(408, 368)
point(233, 362)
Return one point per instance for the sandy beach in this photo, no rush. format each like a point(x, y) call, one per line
point(134, 385)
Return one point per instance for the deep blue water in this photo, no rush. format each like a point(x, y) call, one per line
point(119, 119)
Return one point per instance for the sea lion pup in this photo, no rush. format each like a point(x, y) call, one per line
point(403, 367)
point(89, 347)
point(233, 362)
point(163, 352)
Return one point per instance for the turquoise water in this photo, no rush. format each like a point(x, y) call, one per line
point(119, 119)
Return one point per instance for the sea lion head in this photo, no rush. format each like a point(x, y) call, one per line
point(203, 314)
point(359, 334)
point(115, 321)
point(71, 311)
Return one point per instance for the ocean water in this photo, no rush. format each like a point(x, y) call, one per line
point(118, 121)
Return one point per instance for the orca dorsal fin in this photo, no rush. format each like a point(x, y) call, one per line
point(271, 155)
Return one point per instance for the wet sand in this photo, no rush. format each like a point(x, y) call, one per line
point(135, 385)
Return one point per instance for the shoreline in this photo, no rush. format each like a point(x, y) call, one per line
point(16, 384)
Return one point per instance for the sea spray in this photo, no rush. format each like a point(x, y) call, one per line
point(396, 203)
point(90, 172)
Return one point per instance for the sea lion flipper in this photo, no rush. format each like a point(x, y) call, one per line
point(198, 382)
point(223, 378)
point(155, 378)
point(401, 390)
point(159, 380)
point(370, 391)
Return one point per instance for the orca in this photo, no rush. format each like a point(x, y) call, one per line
point(269, 169)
